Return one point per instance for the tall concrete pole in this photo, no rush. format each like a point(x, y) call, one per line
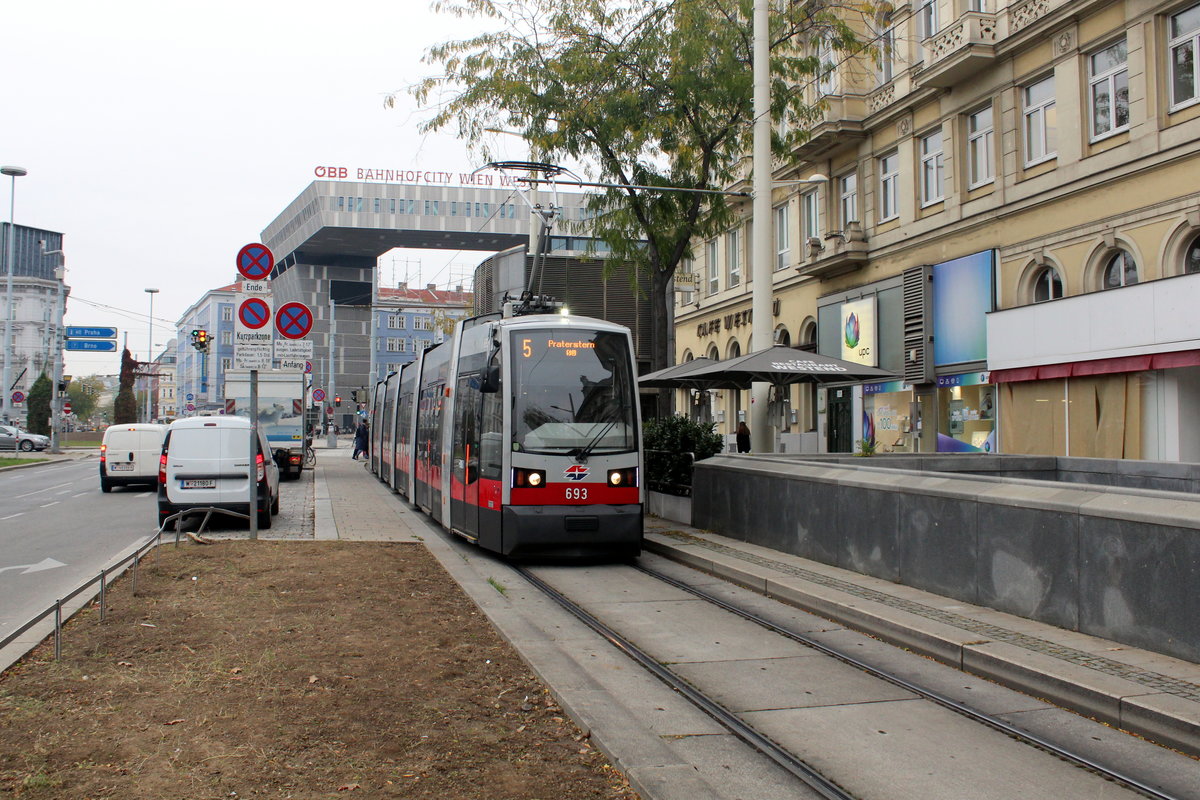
point(331, 439)
point(150, 357)
point(762, 438)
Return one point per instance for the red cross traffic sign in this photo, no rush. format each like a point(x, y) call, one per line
point(255, 262)
point(293, 321)
point(254, 313)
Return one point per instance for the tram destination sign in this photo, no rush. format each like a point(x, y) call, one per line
point(90, 332)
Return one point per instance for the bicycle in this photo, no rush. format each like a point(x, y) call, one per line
point(310, 455)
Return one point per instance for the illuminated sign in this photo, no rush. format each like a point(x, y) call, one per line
point(858, 332)
point(571, 349)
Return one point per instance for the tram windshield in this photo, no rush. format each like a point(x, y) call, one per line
point(572, 392)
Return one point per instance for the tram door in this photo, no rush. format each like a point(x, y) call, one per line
point(839, 418)
point(429, 451)
point(464, 481)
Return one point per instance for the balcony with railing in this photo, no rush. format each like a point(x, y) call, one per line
point(963, 48)
point(838, 253)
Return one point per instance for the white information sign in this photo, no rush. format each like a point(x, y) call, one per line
point(296, 364)
point(251, 356)
point(294, 349)
point(254, 287)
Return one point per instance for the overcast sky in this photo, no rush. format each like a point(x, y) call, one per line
point(161, 137)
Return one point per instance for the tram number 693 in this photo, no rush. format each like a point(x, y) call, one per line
point(576, 492)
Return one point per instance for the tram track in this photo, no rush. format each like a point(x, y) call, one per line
point(812, 775)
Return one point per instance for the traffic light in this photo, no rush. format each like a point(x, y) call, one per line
point(337, 400)
point(200, 339)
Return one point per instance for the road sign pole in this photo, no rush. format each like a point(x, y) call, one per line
point(331, 440)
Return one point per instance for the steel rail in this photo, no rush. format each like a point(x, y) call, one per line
point(947, 702)
point(789, 762)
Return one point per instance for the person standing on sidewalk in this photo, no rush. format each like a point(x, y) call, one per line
point(360, 441)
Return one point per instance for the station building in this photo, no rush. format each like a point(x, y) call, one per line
point(1010, 225)
point(328, 241)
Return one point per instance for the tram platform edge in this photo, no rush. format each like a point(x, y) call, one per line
point(1143, 692)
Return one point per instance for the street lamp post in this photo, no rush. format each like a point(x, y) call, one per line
point(6, 346)
point(150, 354)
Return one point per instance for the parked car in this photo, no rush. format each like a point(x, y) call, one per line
point(129, 455)
point(208, 462)
point(12, 438)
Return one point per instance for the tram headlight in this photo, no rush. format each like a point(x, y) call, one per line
point(623, 477)
point(528, 478)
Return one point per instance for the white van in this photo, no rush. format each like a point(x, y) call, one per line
point(129, 455)
point(207, 461)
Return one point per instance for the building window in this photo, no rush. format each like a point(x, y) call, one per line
point(933, 170)
point(412, 206)
point(848, 198)
point(392, 205)
point(226, 337)
point(226, 364)
point(227, 313)
point(733, 258)
point(358, 205)
point(1191, 258)
point(885, 62)
point(397, 345)
point(810, 216)
point(1047, 285)
point(1040, 122)
point(982, 6)
point(1185, 41)
point(377, 204)
point(980, 148)
point(397, 322)
point(827, 82)
point(1109, 84)
point(783, 246)
point(927, 13)
point(889, 186)
point(711, 281)
point(1120, 270)
point(341, 204)
point(431, 208)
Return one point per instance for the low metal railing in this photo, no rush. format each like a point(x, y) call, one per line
point(103, 578)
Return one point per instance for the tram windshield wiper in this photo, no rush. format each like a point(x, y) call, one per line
point(581, 454)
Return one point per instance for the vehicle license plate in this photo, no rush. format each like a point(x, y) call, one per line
point(198, 484)
point(120, 467)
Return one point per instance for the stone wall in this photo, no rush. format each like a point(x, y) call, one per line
point(1121, 563)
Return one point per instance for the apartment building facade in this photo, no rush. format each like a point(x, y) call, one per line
point(1010, 225)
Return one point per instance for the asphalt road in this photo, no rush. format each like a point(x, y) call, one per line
point(57, 529)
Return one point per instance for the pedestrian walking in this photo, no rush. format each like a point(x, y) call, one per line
point(743, 438)
point(360, 441)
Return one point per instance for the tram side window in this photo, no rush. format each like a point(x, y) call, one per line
point(491, 439)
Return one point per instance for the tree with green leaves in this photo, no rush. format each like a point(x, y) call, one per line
point(39, 398)
point(125, 406)
point(656, 93)
point(84, 394)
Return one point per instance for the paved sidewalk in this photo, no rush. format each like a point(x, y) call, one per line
point(351, 503)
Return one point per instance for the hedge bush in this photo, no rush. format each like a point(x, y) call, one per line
point(672, 444)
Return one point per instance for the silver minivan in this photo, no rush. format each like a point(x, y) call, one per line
point(207, 462)
point(129, 455)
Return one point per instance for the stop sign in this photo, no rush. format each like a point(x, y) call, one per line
point(67, 407)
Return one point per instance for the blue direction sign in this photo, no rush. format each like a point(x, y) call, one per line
point(95, 345)
point(82, 332)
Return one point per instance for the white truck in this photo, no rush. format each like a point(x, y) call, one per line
point(282, 399)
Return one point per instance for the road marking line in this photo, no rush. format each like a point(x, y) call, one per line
point(12, 516)
point(47, 505)
point(39, 491)
point(81, 494)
